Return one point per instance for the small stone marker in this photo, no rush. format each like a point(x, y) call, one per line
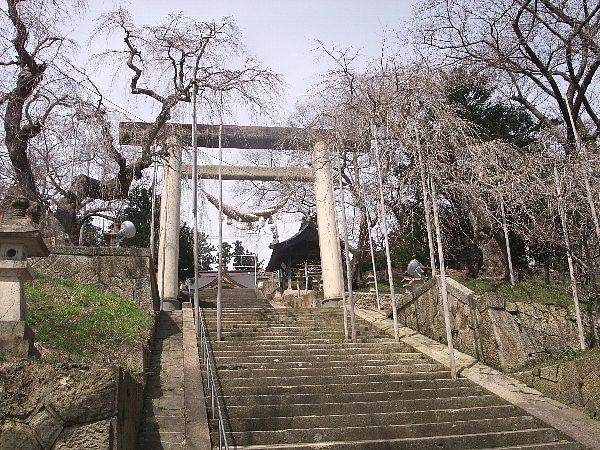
point(18, 240)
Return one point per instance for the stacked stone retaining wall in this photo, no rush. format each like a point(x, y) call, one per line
point(574, 382)
point(49, 407)
point(505, 335)
point(128, 272)
point(45, 406)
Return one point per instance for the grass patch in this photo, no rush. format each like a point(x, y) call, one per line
point(81, 322)
point(384, 287)
point(525, 292)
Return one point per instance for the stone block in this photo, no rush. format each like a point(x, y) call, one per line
point(85, 396)
point(92, 436)
point(17, 436)
point(124, 271)
point(459, 291)
point(501, 340)
point(549, 373)
point(46, 426)
point(16, 340)
point(12, 296)
point(491, 300)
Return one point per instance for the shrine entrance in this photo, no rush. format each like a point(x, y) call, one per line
point(177, 136)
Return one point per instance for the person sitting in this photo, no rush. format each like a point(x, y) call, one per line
point(415, 269)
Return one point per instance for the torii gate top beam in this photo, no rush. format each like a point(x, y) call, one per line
point(234, 136)
point(303, 174)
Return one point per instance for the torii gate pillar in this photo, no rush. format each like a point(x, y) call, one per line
point(168, 241)
point(329, 241)
point(243, 138)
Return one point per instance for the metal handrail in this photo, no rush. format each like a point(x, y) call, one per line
point(211, 377)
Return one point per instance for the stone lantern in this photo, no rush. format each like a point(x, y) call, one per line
point(18, 241)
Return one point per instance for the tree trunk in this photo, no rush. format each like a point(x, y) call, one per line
point(66, 220)
point(490, 242)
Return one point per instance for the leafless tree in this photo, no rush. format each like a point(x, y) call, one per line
point(544, 52)
point(39, 90)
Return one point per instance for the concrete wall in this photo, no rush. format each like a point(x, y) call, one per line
point(48, 407)
point(504, 335)
point(128, 272)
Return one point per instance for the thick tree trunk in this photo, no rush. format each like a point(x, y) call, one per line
point(66, 216)
point(490, 242)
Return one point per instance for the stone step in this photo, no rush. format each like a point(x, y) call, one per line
point(378, 345)
point(283, 410)
point(257, 315)
point(332, 370)
point(299, 333)
point(336, 348)
point(306, 338)
point(290, 380)
point(544, 446)
point(265, 312)
point(364, 386)
point(283, 328)
point(502, 439)
point(300, 322)
point(326, 433)
point(344, 397)
point(294, 327)
point(287, 340)
point(303, 380)
point(307, 333)
point(251, 319)
point(324, 363)
point(362, 358)
point(373, 418)
point(254, 310)
point(241, 301)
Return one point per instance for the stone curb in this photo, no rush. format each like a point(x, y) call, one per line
point(98, 251)
point(197, 434)
point(571, 422)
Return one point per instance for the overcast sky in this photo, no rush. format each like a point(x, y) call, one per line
point(282, 34)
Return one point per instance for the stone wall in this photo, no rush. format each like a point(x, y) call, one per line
point(422, 310)
point(294, 299)
point(574, 383)
point(49, 407)
point(128, 272)
point(504, 335)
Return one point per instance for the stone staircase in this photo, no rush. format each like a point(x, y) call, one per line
point(288, 380)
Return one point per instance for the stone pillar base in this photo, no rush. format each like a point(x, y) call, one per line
point(331, 303)
point(16, 340)
point(170, 304)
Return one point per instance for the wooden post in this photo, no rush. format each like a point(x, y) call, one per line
point(427, 207)
point(385, 233)
point(563, 220)
point(507, 242)
point(444, 289)
point(348, 265)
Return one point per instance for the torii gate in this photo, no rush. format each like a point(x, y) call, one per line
point(240, 137)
